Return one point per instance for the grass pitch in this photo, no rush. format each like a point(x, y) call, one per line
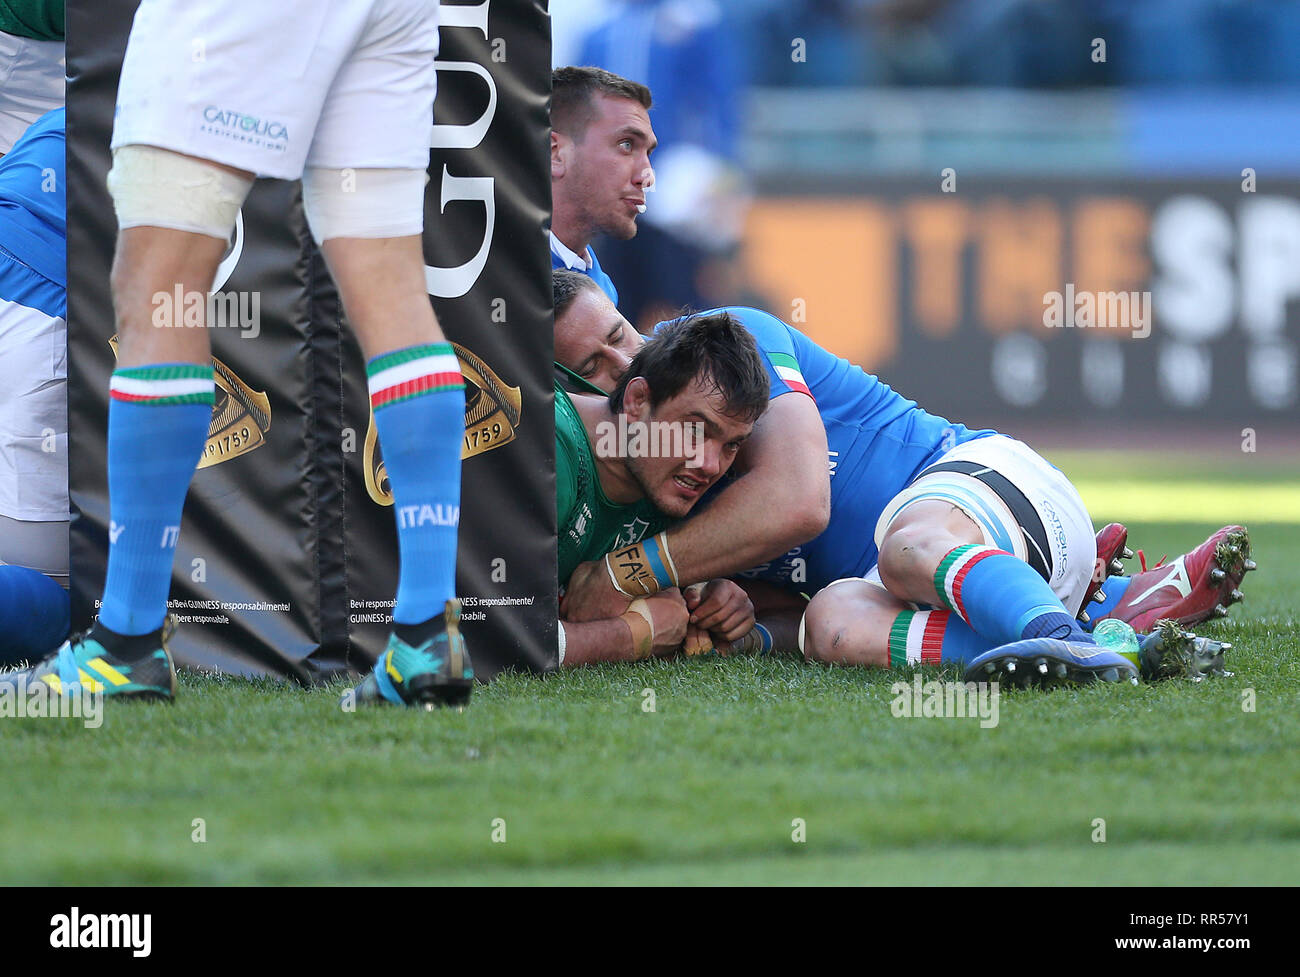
point(570, 779)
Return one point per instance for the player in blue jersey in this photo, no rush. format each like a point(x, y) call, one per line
point(884, 510)
point(34, 605)
point(601, 141)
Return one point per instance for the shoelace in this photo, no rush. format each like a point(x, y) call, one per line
point(1142, 557)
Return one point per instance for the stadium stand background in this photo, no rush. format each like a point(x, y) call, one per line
point(1116, 146)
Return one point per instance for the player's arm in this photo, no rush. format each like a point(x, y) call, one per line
point(651, 626)
point(782, 500)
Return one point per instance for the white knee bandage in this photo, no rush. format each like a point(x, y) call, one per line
point(158, 188)
point(369, 203)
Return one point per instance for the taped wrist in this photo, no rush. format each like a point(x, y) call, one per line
point(643, 568)
point(641, 623)
point(757, 642)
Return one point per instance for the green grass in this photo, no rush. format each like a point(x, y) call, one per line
point(592, 789)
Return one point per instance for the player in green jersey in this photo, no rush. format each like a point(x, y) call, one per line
point(630, 463)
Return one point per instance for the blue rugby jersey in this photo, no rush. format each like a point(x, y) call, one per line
point(594, 272)
point(33, 219)
point(878, 442)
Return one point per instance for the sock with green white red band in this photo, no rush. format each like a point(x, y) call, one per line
point(1002, 597)
point(158, 421)
point(418, 396)
point(933, 638)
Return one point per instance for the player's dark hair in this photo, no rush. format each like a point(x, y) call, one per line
point(573, 92)
point(566, 286)
point(714, 347)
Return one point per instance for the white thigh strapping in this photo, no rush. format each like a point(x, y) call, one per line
point(158, 188)
point(367, 203)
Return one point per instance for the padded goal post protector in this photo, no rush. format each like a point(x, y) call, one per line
point(287, 558)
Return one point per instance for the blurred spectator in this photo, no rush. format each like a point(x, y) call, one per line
point(689, 55)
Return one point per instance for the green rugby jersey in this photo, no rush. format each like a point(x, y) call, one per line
point(40, 20)
point(589, 524)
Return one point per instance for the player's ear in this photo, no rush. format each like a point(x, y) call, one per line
point(636, 399)
point(560, 149)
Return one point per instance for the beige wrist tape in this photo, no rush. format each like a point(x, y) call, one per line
point(644, 568)
point(642, 625)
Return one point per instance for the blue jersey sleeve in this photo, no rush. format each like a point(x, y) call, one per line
point(777, 347)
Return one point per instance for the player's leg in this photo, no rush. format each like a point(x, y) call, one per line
point(857, 622)
point(934, 553)
point(418, 397)
point(999, 537)
point(207, 97)
point(364, 195)
point(34, 606)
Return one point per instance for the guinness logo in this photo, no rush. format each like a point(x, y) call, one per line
point(241, 416)
point(492, 413)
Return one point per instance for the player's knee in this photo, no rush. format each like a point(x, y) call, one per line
point(836, 629)
point(905, 557)
point(154, 187)
point(363, 203)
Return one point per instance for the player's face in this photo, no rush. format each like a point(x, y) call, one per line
point(594, 341)
point(609, 169)
point(674, 482)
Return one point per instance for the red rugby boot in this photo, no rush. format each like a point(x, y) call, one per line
point(1111, 549)
point(1197, 586)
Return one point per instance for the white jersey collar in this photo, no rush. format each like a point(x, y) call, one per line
point(571, 260)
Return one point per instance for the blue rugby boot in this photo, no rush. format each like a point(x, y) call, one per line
point(1049, 662)
point(101, 661)
point(425, 665)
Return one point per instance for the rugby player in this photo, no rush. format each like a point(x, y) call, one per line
point(339, 93)
point(601, 141)
point(968, 522)
point(702, 376)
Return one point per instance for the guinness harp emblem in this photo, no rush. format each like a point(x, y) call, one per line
point(492, 413)
point(241, 416)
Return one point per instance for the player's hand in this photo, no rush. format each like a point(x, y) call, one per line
point(698, 641)
point(668, 611)
point(722, 608)
point(590, 596)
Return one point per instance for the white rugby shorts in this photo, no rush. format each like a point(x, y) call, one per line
point(1021, 503)
point(277, 85)
point(31, 84)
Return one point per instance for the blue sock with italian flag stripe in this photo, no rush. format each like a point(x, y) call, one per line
point(1002, 597)
point(934, 638)
point(158, 420)
point(418, 396)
